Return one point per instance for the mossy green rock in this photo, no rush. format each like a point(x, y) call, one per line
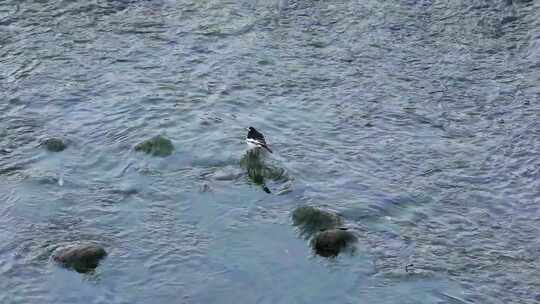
point(330, 243)
point(80, 257)
point(156, 146)
point(54, 144)
point(258, 171)
point(310, 220)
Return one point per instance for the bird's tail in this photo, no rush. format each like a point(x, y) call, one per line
point(266, 147)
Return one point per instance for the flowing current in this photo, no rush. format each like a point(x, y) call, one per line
point(417, 121)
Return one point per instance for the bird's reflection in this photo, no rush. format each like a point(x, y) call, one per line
point(258, 171)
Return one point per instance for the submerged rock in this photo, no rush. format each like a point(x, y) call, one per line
point(54, 144)
point(5, 151)
point(259, 172)
point(81, 257)
point(156, 146)
point(330, 243)
point(227, 174)
point(205, 187)
point(310, 220)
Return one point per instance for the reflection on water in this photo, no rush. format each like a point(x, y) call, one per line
point(259, 171)
point(415, 121)
point(310, 220)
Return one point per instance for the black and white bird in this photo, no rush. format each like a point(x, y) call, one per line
point(255, 139)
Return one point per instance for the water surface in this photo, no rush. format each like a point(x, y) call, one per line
point(417, 121)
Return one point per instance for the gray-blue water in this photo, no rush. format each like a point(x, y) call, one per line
point(417, 121)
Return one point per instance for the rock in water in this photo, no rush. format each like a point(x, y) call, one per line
point(258, 171)
point(81, 257)
point(330, 243)
point(227, 174)
point(54, 144)
point(310, 220)
point(156, 146)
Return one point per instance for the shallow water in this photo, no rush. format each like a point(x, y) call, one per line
point(417, 121)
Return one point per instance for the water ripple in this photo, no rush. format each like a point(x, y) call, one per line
point(416, 121)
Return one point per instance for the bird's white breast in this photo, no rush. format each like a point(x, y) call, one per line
point(252, 143)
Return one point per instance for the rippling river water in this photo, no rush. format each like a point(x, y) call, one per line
point(416, 121)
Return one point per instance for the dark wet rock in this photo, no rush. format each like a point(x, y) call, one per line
point(310, 220)
point(54, 144)
point(80, 257)
point(156, 146)
point(330, 243)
